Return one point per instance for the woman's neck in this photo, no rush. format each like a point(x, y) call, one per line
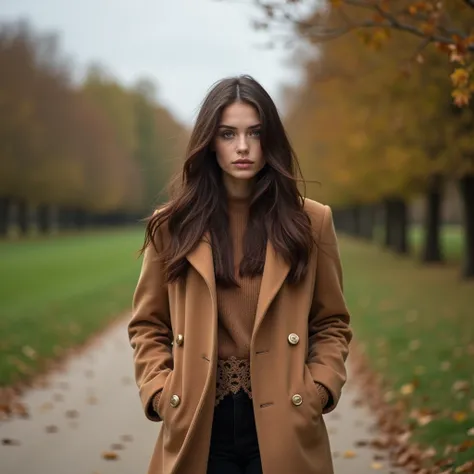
point(238, 189)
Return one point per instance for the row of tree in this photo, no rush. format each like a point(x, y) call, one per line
point(70, 155)
point(378, 124)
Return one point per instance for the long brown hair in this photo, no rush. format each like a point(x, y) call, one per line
point(199, 204)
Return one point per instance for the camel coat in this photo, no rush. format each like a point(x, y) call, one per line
point(301, 335)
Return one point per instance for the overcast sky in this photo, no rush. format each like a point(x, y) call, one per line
point(183, 45)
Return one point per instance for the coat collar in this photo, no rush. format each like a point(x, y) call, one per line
point(274, 274)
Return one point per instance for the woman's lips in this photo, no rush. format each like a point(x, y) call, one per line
point(243, 164)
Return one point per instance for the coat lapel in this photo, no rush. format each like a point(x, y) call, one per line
point(201, 259)
point(275, 272)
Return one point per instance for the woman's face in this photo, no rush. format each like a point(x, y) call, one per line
point(237, 145)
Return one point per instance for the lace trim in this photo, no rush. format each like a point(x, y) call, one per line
point(233, 374)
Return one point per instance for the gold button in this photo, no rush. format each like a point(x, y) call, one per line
point(175, 401)
point(293, 339)
point(297, 399)
point(179, 339)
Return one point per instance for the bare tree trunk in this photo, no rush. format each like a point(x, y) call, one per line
point(396, 225)
point(432, 225)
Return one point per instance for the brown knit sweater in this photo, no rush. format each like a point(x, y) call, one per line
point(236, 315)
point(236, 309)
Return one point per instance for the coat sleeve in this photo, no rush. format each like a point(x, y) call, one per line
point(329, 331)
point(149, 330)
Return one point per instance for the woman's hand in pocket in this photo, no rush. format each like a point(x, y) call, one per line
point(323, 395)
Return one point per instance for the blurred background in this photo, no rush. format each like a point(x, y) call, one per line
point(97, 100)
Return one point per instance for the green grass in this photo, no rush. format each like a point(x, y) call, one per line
point(56, 292)
point(452, 243)
point(417, 325)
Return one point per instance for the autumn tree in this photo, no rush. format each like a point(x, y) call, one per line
point(98, 153)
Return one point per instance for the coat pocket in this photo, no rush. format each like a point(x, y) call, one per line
point(164, 400)
point(312, 395)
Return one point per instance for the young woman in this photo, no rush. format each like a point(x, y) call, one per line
point(239, 329)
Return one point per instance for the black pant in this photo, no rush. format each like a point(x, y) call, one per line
point(234, 444)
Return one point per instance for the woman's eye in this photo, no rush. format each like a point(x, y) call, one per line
point(227, 134)
point(255, 133)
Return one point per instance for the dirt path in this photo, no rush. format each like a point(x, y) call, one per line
point(92, 409)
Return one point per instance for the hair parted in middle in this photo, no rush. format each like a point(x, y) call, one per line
point(199, 205)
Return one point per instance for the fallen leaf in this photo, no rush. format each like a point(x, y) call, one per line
point(10, 442)
point(429, 453)
point(470, 431)
point(361, 443)
point(110, 455)
point(461, 386)
point(467, 467)
point(92, 400)
point(424, 420)
point(29, 352)
point(376, 466)
point(380, 443)
point(459, 416)
point(20, 409)
point(407, 389)
point(465, 445)
point(46, 406)
point(349, 454)
point(72, 413)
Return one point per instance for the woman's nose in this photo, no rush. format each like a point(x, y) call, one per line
point(242, 145)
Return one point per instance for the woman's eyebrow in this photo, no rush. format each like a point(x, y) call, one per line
point(235, 128)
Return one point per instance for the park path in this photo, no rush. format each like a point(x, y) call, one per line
point(90, 411)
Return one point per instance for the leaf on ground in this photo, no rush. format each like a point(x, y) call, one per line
point(470, 431)
point(429, 453)
point(361, 443)
point(459, 416)
point(465, 445)
point(461, 386)
point(376, 466)
point(51, 429)
point(20, 409)
point(380, 443)
point(467, 468)
point(92, 400)
point(46, 406)
point(110, 455)
point(29, 352)
point(349, 454)
point(72, 413)
point(10, 442)
point(407, 389)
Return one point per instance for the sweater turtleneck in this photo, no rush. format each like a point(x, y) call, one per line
point(236, 309)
